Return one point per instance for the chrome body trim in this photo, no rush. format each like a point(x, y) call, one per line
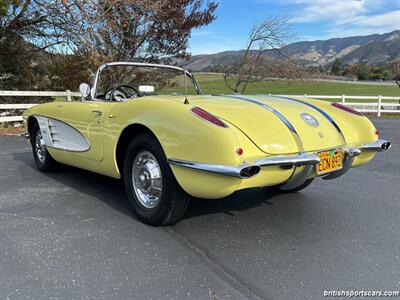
point(378, 146)
point(125, 63)
point(351, 151)
point(276, 113)
point(25, 135)
point(62, 136)
point(249, 170)
point(328, 117)
point(224, 170)
point(302, 159)
point(308, 160)
point(297, 179)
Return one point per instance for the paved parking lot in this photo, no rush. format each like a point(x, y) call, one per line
point(70, 235)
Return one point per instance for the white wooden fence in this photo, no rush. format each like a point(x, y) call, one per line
point(6, 107)
point(382, 105)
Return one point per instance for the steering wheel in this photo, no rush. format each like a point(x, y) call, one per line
point(119, 95)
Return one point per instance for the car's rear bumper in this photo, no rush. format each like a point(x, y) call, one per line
point(287, 171)
point(301, 159)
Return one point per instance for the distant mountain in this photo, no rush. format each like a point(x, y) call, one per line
point(372, 49)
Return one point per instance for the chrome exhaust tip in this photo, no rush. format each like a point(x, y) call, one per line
point(380, 145)
point(250, 171)
point(386, 146)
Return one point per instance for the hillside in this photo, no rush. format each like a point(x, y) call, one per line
point(372, 49)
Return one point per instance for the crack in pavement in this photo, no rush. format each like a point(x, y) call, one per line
point(229, 276)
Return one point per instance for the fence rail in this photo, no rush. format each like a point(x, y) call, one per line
point(380, 106)
point(6, 118)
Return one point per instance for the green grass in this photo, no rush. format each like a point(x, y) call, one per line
point(212, 83)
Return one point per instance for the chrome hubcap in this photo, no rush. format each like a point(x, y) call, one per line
point(40, 147)
point(147, 179)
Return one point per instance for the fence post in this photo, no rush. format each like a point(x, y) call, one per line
point(343, 99)
point(379, 105)
point(68, 95)
point(305, 95)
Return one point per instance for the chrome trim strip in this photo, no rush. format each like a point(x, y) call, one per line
point(378, 146)
point(328, 117)
point(224, 170)
point(296, 160)
point(351, 151)
point(276, 113)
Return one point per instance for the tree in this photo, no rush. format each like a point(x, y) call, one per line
point(29, 21)
point(336, 67)
point(90, 32)
point(131, 29)
point(267, 37)
point(363, 72)
point(395, 70)
point(22, 24)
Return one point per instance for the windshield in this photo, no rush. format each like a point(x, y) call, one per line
point(123, 82)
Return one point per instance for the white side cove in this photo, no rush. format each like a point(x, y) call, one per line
point(58, 135)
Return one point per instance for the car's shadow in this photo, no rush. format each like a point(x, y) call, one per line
point(111, 191)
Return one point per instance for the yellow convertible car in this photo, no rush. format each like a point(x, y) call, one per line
point(150, 125)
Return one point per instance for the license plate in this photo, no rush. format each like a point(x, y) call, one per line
point(331, 160)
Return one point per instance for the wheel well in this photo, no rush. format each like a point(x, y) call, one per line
point(31, 122)
point(126, 136)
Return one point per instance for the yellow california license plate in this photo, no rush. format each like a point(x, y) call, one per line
point(331, 160)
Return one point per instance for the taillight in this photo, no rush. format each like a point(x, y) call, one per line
point(377, 132)
point(345, 108)
point(239, 151)
point(206, 116)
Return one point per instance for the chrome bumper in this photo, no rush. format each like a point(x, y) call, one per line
point(302, 159)
point(378, 146)
point(25, 135)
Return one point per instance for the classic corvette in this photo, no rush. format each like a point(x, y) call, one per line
point(149, 125)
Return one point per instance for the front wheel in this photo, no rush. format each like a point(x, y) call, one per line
point(43, 160)
point(155, 195)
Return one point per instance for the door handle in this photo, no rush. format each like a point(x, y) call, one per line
point(98, 112)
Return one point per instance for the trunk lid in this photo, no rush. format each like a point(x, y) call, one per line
point(274, 125)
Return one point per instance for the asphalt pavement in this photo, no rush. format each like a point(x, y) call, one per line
point(71, 235)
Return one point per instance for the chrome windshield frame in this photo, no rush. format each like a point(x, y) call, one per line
point(137, 64)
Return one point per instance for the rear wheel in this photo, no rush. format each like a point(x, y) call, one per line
point(155, 195)
point(43, 160)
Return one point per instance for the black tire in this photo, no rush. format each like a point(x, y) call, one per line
point(45, 162)
point(173, 201)
point(296, 189)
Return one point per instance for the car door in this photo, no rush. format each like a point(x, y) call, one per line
point(87, 118)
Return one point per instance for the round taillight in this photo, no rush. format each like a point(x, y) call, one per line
point(348, 109)
point(206, 116)
point(377, 132)
point(239, 151)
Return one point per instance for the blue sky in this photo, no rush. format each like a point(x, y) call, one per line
point(311, 20)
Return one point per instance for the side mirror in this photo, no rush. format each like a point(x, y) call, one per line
point(84, 89)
